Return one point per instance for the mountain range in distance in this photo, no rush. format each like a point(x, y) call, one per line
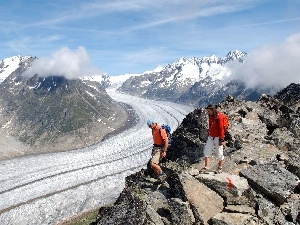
point(194, 81)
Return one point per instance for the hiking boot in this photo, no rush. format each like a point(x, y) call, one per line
point(204, 170)
point(219, 170)
point(162, 177)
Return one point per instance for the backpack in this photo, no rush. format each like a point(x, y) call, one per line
point(224, 117)
point(168, 131)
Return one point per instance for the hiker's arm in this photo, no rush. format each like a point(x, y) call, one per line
point(164, 138)
point(221, 128)
point(165, 146)
point(163, 151)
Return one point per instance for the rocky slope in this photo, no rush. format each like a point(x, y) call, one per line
point(260, 183)
point(53, 113)
point(290, 96)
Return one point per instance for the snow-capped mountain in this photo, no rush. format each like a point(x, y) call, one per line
point(103, 79)
point(9, 65)
point(54, 113)
point(196, 81)
point(117, 81)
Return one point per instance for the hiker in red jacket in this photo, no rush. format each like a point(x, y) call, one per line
point(160, 145)
point(216, 134)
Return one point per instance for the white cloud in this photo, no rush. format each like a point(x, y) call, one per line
point(272, 66)
point(64, 62)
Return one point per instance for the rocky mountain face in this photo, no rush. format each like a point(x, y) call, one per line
point(53, 113)
point(290, 96)
point(192, 81)
point(260, 180)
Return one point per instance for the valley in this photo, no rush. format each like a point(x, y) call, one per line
point(47, 188)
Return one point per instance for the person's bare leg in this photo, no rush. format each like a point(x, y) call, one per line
point(219, 170)
point(156, 168)
point(206, 162)
point(220, 164)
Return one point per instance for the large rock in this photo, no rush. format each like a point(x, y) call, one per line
point(226, 185)
point(234, 219)
point(206, 201)
point(284, 139)
point(269, 213)
point(181, 212)
point(273, 180)
point(290, 96)
point(293, 164)
point(189, 138)
point(291, 209)
point(144, 201)
point(130, 209)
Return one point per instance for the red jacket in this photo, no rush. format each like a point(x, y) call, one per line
point(216, 126)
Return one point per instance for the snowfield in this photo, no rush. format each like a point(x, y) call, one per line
point(48, 188)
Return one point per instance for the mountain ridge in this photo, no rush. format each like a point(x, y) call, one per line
point(53, 113)
point(193, 81)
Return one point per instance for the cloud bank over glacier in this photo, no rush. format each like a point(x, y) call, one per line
point(271, 66)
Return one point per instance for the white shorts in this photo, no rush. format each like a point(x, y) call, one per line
point(210, 144)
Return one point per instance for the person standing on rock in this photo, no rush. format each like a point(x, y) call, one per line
point(160, 146)
point(216, 134)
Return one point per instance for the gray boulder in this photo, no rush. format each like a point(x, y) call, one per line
point(272, 180)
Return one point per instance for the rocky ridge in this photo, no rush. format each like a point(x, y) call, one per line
point(290, 96)
point(260, 180)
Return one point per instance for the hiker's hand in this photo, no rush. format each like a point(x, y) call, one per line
point(221, 142)
point(163, 154)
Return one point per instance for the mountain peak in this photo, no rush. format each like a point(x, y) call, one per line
point(158, 69)
point(210, 59)
point(9, 65)
point(235, 54)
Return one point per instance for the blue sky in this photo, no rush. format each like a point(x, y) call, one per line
point(134, 36)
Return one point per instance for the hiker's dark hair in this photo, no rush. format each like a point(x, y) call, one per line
point(213, 108)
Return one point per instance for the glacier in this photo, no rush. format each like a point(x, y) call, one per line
point(49, 188)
